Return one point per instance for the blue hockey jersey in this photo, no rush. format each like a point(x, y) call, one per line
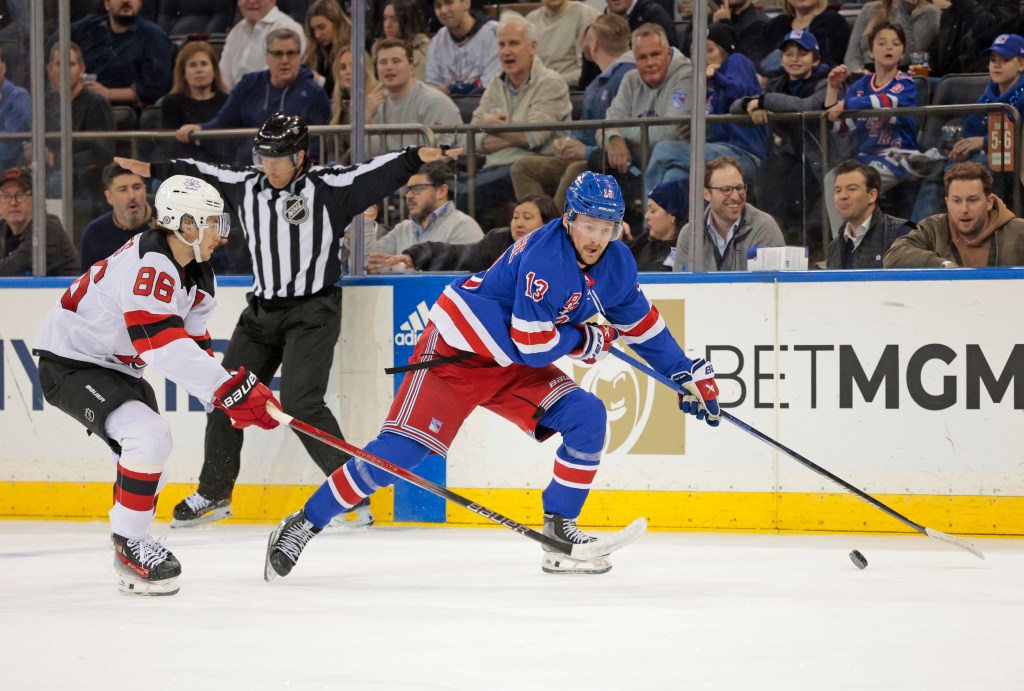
point(878, 137)
point(525, 307)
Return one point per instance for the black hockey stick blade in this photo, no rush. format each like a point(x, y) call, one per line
point(959, 542)
point(601, 547)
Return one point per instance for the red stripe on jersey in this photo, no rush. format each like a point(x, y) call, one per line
point(158, 340)
point(532, 338)
point(570, 474)
point(644, 324)
point(452, 310)
point(344, 488)
point(142, 318)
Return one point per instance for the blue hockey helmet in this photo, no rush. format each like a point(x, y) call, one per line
point(598, 196)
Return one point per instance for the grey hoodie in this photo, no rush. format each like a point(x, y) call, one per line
point(636, 99)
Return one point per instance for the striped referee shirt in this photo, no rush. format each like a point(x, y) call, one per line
point(293, 234)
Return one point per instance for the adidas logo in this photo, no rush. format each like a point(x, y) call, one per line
point(409, 331)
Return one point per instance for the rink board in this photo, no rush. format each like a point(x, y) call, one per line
point(909, 385)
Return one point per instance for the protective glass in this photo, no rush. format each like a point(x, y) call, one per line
point(257, 158)
point(217, 223)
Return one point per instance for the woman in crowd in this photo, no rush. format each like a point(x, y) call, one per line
point(667, 212)
point(404, 19)
point(827, 25)
point(328, 31)
point(919, 19)
point(197, 95)
point(341, 105)
point(531, 212)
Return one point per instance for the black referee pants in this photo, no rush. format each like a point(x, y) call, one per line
point(300, 339)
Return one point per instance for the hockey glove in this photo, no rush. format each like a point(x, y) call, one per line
point(701, 398)
point(244, 398)
point(597, 339)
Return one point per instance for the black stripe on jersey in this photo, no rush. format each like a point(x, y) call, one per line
point(149, 331)
point(318, 238)
point(275, 258)
point(257, 239)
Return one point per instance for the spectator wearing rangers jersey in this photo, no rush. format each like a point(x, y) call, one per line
point(145, 305)
point(293, 216)
point(492, 341)
point(885, 143)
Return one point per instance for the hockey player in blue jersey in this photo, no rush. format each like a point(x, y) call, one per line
point(491, 342)
point(884, 143)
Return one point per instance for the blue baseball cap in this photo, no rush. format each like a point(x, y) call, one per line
point(1007, 45)
point(804, 39)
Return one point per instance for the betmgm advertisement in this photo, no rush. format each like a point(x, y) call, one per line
point(911, 390)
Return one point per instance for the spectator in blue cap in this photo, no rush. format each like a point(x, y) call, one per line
point(668, 209)
point(1006, 72)
point(784, 192)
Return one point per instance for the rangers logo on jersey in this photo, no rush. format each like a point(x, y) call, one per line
point(296, 211)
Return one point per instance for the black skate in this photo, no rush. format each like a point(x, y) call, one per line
point(359, 516)
point(565, 530)
point(145, 567)
point(196, 509)
point(286, 544)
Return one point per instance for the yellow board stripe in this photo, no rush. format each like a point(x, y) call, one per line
point(705, 511)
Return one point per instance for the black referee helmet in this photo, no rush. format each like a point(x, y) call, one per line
point(281, 135)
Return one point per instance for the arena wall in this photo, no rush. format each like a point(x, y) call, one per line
point(909, 385)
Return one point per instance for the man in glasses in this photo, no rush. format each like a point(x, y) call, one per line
point(731, 225)
point(432, 217)
point(16, 231)
point(286, 86)
point(293, 215)
point(246, 42)
point(145, 305)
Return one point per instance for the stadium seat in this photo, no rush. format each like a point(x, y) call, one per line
point(953, 89)
point(125, 117)
point(466, 104)
point(184, 17)
point(577, 104)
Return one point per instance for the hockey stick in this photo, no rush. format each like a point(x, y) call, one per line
point(600, 547)
point(939, 535)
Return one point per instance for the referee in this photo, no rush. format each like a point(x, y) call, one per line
point(293, 216)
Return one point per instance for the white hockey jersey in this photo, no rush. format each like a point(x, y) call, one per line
point(136, 308)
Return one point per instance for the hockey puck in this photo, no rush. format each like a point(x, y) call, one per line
point(858, 560)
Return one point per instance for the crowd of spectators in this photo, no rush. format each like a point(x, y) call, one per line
point(442, 63)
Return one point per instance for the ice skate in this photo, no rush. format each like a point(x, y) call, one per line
point(196, 509)
point(359, 516)
point(145, 567)
point(565, 530)
point(286, 544)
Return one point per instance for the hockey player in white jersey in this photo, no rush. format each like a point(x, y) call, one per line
point(145, 305)
point(491, 342)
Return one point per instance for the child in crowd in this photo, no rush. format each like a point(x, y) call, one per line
point(1006, 70)
point(731, 76)
point(882, 142)
point(787, 196)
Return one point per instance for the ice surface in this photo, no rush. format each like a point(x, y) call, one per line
point(393, 608)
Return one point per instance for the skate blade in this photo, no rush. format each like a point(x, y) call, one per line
point(212, 517)
point(130, 585)
point(554, 562)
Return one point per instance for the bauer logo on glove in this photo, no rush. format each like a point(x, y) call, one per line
point(701, 392)
point(244, 398)
point(596, 340)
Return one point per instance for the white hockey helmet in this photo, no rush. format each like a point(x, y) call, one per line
point(183, 195)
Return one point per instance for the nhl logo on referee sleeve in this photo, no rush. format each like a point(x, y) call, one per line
point(296, 210)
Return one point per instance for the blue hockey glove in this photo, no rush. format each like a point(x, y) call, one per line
point(597, 339)
point(701, 398)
